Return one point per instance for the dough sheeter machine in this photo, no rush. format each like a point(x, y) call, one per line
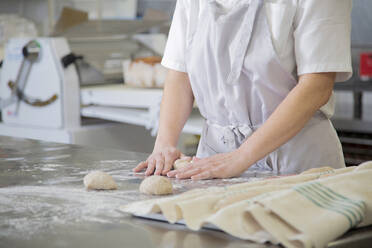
point(45, 95)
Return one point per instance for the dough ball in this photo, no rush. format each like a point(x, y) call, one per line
point(99, 180)
point(156, 185)
point(319, 170)
point(181, 163)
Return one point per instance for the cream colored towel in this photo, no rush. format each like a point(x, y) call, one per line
point(298, 211)
point(315, 213)
point(218, 197)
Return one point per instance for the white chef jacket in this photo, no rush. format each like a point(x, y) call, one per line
point(310, 36)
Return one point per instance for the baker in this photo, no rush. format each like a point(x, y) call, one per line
point(262, 74)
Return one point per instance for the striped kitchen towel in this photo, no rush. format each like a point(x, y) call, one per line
point(312, 214)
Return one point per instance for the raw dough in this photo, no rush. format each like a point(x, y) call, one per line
point(181, 163)
point(99, 180)
point(156, 185)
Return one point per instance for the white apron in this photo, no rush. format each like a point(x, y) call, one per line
point(238, 82)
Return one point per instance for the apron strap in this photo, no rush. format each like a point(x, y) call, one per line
point(241, 44)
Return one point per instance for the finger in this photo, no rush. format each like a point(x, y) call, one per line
point(202, 176)
point(159, 165)
point(140, 166)
point(172, 173)
point(189, 173)
point(168, 165)
point(150, 167)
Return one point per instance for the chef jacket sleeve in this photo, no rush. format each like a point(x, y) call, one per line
point(322, 37)
point(174, 54)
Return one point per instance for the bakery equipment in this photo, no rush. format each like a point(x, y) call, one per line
point(31, 53)
point(48, 90)
point(42, 97)
point(40, 93)
point(36, 89)
point(105, 44)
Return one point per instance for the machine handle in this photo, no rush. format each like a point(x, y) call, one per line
point(70, 59)
point(30, 101)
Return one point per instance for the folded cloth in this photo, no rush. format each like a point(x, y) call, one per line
point(313, 214)
point(220, 197)
point(297, 211)
point(209, 200)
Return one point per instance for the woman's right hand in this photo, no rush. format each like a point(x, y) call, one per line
point(176, 106)
point(160, 162)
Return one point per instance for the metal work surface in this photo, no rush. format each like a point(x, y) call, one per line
point(43, 202)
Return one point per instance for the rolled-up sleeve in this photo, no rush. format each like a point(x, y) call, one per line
point(174, 54)
point(322, 37)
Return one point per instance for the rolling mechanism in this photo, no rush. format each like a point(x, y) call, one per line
point(36, 90)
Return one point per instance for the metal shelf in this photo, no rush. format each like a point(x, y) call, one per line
point(358, 87)
point(140, 117)
point(354, 85)
point(119, 95)
point(352, 125)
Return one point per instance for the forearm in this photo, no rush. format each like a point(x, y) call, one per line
point(311, 93)
point(176, 106)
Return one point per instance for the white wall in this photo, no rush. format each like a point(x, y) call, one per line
point(35, 10)
point(38, 10)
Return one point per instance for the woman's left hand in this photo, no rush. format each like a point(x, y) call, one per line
point(223, 165)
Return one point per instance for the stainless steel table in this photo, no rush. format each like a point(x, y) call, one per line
point(43, 202)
